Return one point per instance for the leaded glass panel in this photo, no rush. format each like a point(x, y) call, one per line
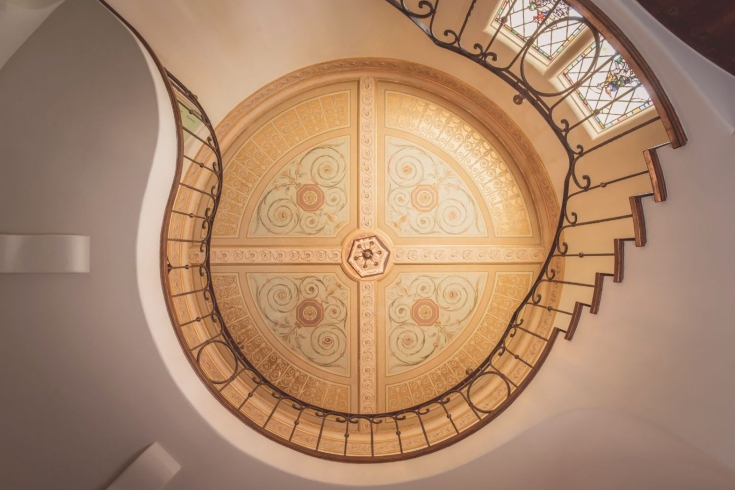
point(614, 92)
point(524, 17)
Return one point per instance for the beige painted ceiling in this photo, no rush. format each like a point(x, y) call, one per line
point(375, 234)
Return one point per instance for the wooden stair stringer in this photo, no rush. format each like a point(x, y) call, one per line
point(653, 163)
point(574, 322)
point(639, 220)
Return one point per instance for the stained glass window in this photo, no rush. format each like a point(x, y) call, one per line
point(614, 92)
point(523, 17)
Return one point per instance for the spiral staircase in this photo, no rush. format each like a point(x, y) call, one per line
point(602, 178)
point(613, 167)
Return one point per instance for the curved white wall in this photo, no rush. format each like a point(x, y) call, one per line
point(18, 20)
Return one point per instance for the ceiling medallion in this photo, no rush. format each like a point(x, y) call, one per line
point(368, 255)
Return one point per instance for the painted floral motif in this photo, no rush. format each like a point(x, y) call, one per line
point(467, 147)
point(270, 142)
point(509, 288)
point(426, 196)
point(308, 314)
point(619, 76)
point(425, 313)
point(308, 196)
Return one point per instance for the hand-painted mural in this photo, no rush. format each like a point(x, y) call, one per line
point(309, 196)
point(308, 313)
point(427, 312)
point(369, 225)
point(425, 196)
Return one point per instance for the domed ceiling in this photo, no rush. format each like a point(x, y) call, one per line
point(373, 239)
point(349, 262)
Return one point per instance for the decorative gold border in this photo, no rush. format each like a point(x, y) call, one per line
point(366, 131)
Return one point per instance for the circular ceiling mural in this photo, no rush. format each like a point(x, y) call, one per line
point(377, 230)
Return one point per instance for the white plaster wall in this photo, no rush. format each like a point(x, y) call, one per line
point(642, 398)
point(18, 20)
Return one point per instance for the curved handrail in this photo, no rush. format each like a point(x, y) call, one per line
point(210, 348)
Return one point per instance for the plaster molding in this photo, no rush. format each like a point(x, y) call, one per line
point(247, 255)
point(368, 360)
point(368, 194)
point(466, 254)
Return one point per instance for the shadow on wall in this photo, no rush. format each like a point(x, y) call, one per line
point(18, 20)
point(591, 449)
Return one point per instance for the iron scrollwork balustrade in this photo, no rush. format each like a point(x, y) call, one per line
point(183, 280)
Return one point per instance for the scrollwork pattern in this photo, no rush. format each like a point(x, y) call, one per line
point(508, 289)
point(467, 254)
point(245, 255)
point(282, 210)
point(321, 337)
point(269, 143)
point(368, 384)
point(367, 152)
point(425, 196)
point(454, 298)
point(467, 146)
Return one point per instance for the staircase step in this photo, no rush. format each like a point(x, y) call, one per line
point(597, 294)
point(576, 315)
point(639, 221)
point(620, 258)
point(657, 176)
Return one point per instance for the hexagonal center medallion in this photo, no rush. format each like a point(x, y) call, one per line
point(368, 256)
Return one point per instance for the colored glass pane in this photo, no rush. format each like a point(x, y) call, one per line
point(524, 17)
point(613, 93)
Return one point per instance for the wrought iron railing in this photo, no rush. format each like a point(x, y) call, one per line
point(568, 283)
